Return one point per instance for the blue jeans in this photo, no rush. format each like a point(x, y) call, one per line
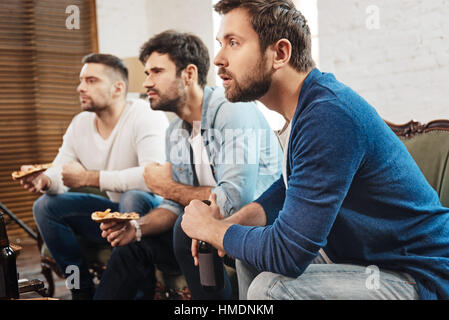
point(321, 281)
point(64, 217)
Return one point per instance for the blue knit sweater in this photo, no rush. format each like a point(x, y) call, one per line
point(353, 190)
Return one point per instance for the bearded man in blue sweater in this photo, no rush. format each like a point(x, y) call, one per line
point(350, 197)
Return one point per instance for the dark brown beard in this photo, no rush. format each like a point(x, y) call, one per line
point(170, 104)
point(257, 84)
point(94, 107)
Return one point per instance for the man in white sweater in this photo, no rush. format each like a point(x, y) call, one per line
point(106, 146)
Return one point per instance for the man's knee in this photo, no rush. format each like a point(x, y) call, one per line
point(42, 207)
point(129, 199)
point(125, 256)
point(261, 287)
point(137, 200)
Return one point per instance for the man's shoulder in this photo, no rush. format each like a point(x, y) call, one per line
point(138, 106)
point(323, 95)
point(141, 111)
point(82, 119)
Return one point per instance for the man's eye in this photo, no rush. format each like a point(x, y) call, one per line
point(233, 43)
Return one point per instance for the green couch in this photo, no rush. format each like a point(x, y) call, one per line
point(429, 146)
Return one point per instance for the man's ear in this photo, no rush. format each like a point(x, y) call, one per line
point(119, 88)
point(282, 51)
point(190, 74)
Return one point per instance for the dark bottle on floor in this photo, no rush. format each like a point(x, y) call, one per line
point(9, 287)
point(211, 266)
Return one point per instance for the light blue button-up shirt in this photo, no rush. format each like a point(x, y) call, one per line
point(244, 153)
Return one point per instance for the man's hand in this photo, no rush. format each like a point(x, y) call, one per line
point(74, 175)
point(211, 212)
point(35, 182)
point(118, 233)
point(158, 177)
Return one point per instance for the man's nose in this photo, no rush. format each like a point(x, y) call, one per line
point(80, 87)
point(148, 83)
point(220, 59)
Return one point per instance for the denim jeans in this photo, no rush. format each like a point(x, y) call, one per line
point(182, 247)
point(321, 281)
point(64, 217)
point(130, 273)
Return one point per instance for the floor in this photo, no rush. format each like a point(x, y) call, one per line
point(28, 267)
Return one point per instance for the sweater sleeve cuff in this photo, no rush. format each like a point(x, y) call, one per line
point(233, 239)
point(106, 180)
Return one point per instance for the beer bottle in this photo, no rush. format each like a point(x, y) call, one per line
point(9, 287)
point(211, 266)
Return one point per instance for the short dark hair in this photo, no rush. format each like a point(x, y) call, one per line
point(182, 48)
point(274, 20)
point(109, 60)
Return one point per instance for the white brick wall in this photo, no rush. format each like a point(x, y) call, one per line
point(401, 68)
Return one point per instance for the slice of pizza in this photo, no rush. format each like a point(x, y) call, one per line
point(108, 216)
point(27, 170)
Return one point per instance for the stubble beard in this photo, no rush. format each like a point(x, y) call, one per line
point(92, 106)
point(257, 83)
point(170, 103)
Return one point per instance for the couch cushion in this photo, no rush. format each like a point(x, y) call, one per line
point(431, 151)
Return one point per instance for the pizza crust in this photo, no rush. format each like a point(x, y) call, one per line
point(29, 170)
point(108, 216)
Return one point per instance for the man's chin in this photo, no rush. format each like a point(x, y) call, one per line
point(237, 97)
point(86, 107)
point(153, 105)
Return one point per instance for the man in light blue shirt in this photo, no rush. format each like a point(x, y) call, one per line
point(214, 147)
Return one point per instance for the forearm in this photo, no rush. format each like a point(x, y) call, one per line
point(183, 194)
point(157, 221)
point(252, 214)
point(215, 233)
point(92, 179)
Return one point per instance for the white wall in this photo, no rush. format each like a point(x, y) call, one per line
point(123, 26)
point(309, 9)
point(394, 53)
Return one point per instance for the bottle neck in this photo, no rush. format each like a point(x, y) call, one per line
point(4, 241)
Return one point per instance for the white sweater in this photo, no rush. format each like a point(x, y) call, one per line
point(137, 139)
